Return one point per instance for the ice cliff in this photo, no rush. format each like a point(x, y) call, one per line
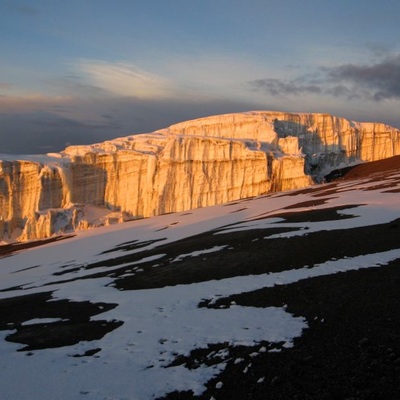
point(188, 165)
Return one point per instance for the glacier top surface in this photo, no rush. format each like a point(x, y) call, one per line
point(254, 125)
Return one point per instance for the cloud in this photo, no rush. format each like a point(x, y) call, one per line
point(376, 81)
point(199, 76)
point(39, 124)
point(281, 87)
point(43, 132)
point(379, 50)
point(203, 75)
point(124, 79)
point(77, 86)
point(104, 100)
point(32, 102)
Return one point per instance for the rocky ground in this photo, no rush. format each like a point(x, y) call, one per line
point(351, 349)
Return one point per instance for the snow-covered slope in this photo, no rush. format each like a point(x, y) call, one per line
point(142, 295)
point(193, 164)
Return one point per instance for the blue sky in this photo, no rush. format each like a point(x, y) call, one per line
point(82, 71)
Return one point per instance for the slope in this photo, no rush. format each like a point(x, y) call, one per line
point(290, 294)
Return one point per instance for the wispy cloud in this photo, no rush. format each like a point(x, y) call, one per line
point(77, 86)
point(216, 75)
point(32, 102)
point(124, 79)
point(202, 77)
point(281, 87)
point(375, 81)
point(36, 124)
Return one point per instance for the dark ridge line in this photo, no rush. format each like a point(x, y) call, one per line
point(7, 249)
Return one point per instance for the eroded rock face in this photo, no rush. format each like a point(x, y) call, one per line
point(188, 165)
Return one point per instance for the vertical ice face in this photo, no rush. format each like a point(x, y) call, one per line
point(20, 193)
point(64, 172)
point(188, 165)
point(328, 141)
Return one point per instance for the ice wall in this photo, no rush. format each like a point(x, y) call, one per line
point(327, 141)
point(188, 165)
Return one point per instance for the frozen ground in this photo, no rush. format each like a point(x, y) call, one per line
point(149, 334)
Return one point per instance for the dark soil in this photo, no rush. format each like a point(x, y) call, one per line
point(8, 249)
point(351, 349)
point(248, 253)
point(75, 324)
point(365, 170)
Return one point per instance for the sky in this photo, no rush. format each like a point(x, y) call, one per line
point(83, 71)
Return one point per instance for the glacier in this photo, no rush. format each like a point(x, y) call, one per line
point(192, 164)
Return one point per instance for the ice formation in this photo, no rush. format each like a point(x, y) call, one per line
point(192, 164)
